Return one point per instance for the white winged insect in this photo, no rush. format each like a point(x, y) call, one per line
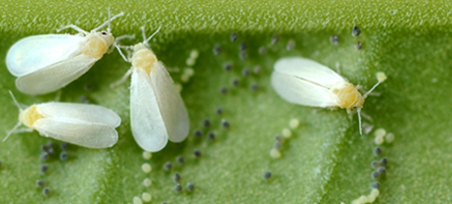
point(86, 125)
point(45, 63)
point(157, 111)
point(306, 82)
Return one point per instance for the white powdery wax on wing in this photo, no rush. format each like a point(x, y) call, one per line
point(86, 125)
point(157, 111)
point(46, 63)
point(306, 82)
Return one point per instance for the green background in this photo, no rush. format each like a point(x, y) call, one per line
point(326, 161)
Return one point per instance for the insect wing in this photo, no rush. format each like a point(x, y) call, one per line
point(146, 120)
point(84, 112)
point(36, 52)
point(299, 91)
point(79, 132)
point(309, 70)
point(171, 105)
point(53, 77)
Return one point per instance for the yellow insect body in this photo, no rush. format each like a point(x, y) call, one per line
point(29, 116)
point(97, 44)
point(143, 58)
point(348, 96)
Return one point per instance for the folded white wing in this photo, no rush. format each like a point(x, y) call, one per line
point(83, 133)
point(299, 91)
point(306, 82)
point(309, 70)
point(146, 120)
point(55, 76)
point(82, 112)
point(36, 52)
point(171, 105)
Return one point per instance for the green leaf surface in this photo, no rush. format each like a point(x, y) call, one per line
point(325, 160)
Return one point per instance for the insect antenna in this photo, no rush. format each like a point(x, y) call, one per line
point(12, 131)
point(109, 21)
point(150, 37)
point(18, 123)
point(381, 78)
point(124, 37)
point(15, 101)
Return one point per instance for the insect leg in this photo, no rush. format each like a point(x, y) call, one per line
point(123, 78)
point(73, 27)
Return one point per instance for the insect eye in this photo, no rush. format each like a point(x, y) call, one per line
point(104, 33)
